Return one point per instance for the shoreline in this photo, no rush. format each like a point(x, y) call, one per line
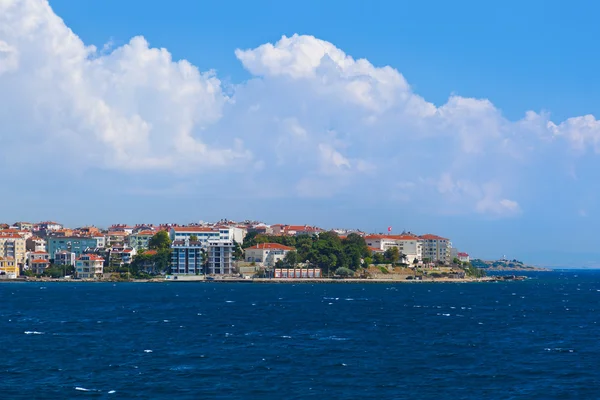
point(283, 280)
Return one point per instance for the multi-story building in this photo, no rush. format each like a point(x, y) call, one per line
point(73, 244)
point(9, 268)
point(295, 230)
point(38, 262)
point(89, 266)
point(140, 240)
point(24, 226)
point(411, 247)
point(49, 226)
point(186, 257)
point(202, 233)
point(266, 254)
point(35, 243)
point(13, 246)
point(436, 248)
point(64, 257)
point(220, 256)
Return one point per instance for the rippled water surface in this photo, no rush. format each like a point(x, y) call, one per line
point(537, 339)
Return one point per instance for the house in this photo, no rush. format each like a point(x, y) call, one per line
point(63, 257)
point(37, 255)
point(38, 265)
point(121, 228)
point(89, 266)
point(120, 255)
point(116, 238)
point(8, 268)
point(140, 240)
point(436, 248)
point(220, 256)
point(295, 230)
point(463, 257)
point(35, 243)
point(49, 226)
point(24, 226)
point(186, 257)
point(266, 254)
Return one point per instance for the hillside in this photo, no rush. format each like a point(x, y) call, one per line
point(505, 265)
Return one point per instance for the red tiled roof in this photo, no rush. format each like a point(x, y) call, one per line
point(432, 237)
point(462, 255)
point(375, 249)
point(151, 252)
point(147, 233)
point(40, 261)
point(270, 246)
point(9, 236)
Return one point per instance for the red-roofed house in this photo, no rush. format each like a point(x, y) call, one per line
point(295, 230)
point(89, 266)
point(266, 254)
point(463, 257)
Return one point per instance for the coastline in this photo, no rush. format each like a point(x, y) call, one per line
point(282, 280)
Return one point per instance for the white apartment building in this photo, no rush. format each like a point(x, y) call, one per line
point(203, 233)
point(410, 246)
point(220, 256)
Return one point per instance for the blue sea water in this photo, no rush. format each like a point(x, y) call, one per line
point(537, 339)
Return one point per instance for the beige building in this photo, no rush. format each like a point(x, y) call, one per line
point(436, 248)
point(266, 254)
point(89, 266)
point(140, 240)
point(13, 246)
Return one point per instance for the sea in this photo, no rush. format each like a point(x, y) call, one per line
point(532, 339)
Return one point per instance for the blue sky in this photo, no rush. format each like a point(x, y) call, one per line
point(473, 120)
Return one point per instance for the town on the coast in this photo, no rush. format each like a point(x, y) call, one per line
point(225, 250)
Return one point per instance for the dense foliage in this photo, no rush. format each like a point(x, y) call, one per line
point(326, 251)
point(160, 241)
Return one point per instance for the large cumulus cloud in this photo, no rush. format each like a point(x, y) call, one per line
point(312, 121)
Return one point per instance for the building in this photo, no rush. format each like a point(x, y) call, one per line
point(115, 238)
point(35, 243)
point(220, 256)
point(140, 240)
point(89, 266)
point(202, 233)
point(436, 248)
point(74, 244)
point(119, 255)
point(266, 254)
point(38, 262)
point(24, 226)
point(186, 257)
point(295, 230)
point(410, 246)
point(49, 226)
point(9, 268)
point(64, 257)
point(13, 246)
point(463, 257)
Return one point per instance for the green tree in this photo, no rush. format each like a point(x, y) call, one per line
point(344, 272)
point(160, 241)
point(238, 252)
point(290, 259)
point(378, 258)
point(392, 255)
point(193, 238)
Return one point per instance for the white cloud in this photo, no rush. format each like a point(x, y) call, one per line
point(313, 121)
